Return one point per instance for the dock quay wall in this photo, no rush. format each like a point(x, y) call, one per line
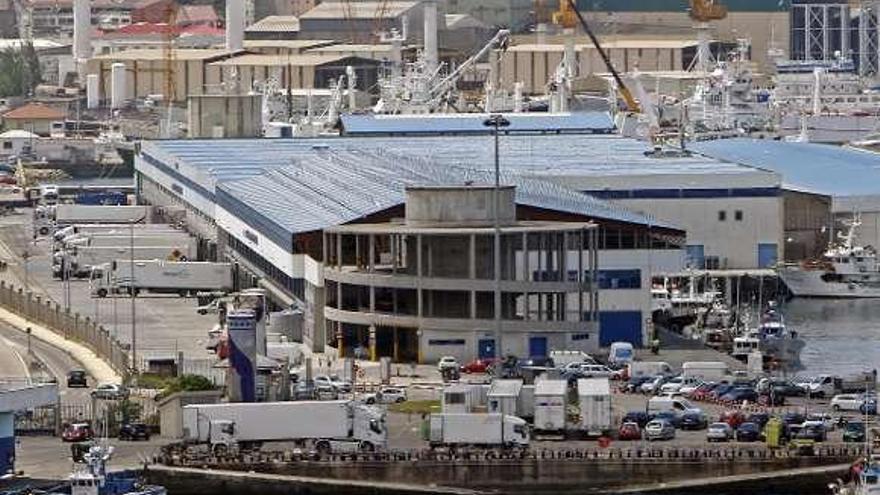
point(538, 470)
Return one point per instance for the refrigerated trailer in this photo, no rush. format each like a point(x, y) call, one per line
point(327, 426)
point(72, 214)
point(79, 262)
point(175, 277)
point(594, 400)
point(110, 229)
point(478, 430)
point(154, 238)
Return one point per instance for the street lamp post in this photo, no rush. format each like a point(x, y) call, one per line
point(131, 292)
point(496, 122)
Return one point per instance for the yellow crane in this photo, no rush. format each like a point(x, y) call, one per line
point(624, 91)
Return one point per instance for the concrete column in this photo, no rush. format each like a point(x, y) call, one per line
point(419, 272)
point(372, 342)
point(396, 344)
point(580, 276)
point(372, 244)
point(472, 272)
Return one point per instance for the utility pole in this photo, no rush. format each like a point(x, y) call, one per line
point(496, 122)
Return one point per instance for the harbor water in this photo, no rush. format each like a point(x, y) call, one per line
point(842, 336)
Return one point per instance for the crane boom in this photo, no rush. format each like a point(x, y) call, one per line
point(624, 90)
point(500, 40)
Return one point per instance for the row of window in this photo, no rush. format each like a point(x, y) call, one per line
point(737, 215)
point(607, 279)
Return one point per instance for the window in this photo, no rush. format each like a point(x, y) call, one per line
point(580, 336)
point(738, 215)
point(713, 263)
point(446, 342)
point(620, 279)
point(454, 398)
point(722, 216)
point(7, 145)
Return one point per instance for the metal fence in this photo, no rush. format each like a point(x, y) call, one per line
point(65, 323)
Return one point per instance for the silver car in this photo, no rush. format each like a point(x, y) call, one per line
point(719, 432)
point(659, 429)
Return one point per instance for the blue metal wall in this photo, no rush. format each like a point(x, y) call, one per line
point(242, 331)
point(620, 326)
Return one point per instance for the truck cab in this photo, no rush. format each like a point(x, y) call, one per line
point(221, 435)
point(819, 386)
point(369, 428)
point(99, 279)
point(516, 431)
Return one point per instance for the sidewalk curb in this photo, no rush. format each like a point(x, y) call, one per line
point(94, 366)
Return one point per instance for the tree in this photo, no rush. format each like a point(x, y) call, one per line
point(19, 70)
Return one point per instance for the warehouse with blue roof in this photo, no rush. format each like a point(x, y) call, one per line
point(267, 202)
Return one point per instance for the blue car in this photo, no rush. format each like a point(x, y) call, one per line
point(668, 416)
point(740, 395)
point(869, 407)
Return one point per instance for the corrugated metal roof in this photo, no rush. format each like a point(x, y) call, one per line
point(814, 167)
point(275, 24)
point(152, 54)
point(332, 187)
point(358, 10)
point(469, 123)
point(293, 60)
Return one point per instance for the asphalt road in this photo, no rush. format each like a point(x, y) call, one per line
point(13, 364)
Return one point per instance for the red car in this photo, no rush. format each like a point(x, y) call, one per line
point(629, 431)
point(478, 365)
point(733, 418)
point(77, 432)
point(702, 392)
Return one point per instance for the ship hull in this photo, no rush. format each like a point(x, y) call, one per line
point(809, 283)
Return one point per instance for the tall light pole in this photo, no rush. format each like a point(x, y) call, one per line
point(496, 122)
point(131, 292)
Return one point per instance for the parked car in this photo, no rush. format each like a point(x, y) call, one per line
point(812, 431)
point(386, 395)
point(304, 390)
point(675, 384)
point(869, 407)
point(651, 387)
point(659, 429)
point(719, 390)
point(688, 388)
point(701, 392)
point(854, 432)
point(692, 420)
point(748, 432)
point(447, 362)
point(793, 418)
point(77, 379)
point(759, 419)
point(719, 432)
point(539, 362)
point(134, 431)
point(629, 431)
point(110, 391)
point(481, 365)
point(847, 402)
point(575, 371)
point(740, 395)
point(634, 384)
point(786, 388)
point(640, 418)
point(333, 382)
point(828, 422)
point(77, 432)
point(670, 417)
point(733, 418)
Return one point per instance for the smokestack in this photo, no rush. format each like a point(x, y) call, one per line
point(234, 25)
point(117, 85)
point(82, 24)
point(430, 13)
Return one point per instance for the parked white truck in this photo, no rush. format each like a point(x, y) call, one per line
point(157, 238)
point(477, 430)
point(73, 214)
point(649, 368)
point(326, 426)
point(594, 400)
point(80, 261)
point(87, 229)
point(174, 277)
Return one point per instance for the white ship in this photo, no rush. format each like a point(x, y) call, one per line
point(845, 271)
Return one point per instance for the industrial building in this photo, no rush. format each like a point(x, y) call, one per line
point(267, 204)
point(428, 286)
point(17, 396)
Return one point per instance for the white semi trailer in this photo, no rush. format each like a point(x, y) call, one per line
point(157, 238)
point(478, 430)
point(79, 263)
point(175, 277)
point(110, 229)
point(326, 426)
point(75, 214)
point(594, 401)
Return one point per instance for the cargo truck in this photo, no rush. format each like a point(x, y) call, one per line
point(594, 400)
point(156, 238)
point(174, 277)
point(326, 426)
point(110, 229)
point(67, 214)
point(80, 261)
point(477, 430)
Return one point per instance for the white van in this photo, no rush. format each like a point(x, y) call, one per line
point(620, 353)
point(649, 368)
point(674, 404)
point(710, 371)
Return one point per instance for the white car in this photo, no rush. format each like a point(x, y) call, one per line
point(847, 402)
point(333, 382)
point(719, 432)
point(110, 391)
point(387, 395)
point(447, 362)
point(652, 386)
point(678, 383)
point(689, 388)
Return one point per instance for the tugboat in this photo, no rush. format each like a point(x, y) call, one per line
point(780, 346)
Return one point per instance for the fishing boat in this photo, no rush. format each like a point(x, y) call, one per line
point(846, 270)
